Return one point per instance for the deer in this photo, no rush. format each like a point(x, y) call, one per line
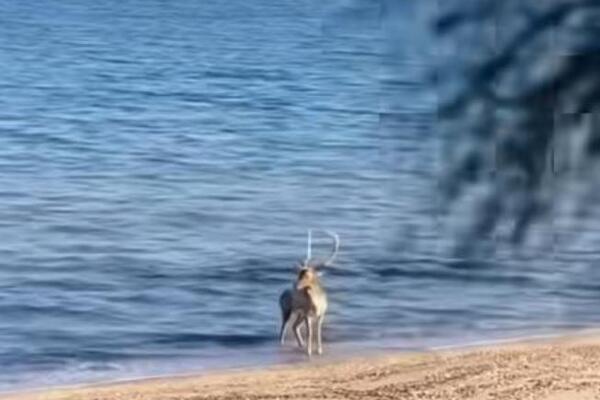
point(306, 301)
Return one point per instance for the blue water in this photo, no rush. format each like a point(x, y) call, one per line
point(160, 162)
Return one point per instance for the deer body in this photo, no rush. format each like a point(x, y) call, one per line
point(306, 302)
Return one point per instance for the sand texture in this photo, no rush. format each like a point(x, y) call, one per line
point(559, 369)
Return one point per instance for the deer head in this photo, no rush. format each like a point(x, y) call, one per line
point(308, 272)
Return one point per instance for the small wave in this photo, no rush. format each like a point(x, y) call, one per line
point(235, 340)
point(517, 280)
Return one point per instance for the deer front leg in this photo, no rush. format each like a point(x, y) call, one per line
point(320, 334)
point(297, 333)
point(309, 338)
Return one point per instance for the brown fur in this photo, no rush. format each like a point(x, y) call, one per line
point(306, 301)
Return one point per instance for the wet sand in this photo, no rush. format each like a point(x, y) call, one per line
point(567, 368)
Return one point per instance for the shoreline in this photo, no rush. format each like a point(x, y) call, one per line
point(274, 356)
point(565, 367)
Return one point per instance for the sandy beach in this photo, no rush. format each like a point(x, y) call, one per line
point(566, 368)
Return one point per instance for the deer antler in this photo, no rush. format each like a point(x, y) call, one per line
point(336, 247)
point(308, 248)
point(329, 261)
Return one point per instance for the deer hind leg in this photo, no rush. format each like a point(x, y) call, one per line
point(297, 325)
point(285, 320)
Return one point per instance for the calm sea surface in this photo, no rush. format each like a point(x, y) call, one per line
point(160, 162)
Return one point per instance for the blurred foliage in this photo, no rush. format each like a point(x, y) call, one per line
point(519, 92)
